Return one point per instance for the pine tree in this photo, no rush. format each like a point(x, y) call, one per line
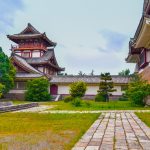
point(106, 85)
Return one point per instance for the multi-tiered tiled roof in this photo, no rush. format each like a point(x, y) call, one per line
point(95, 79)
point(31, 32)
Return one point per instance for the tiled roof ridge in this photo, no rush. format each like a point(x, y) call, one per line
point(91, 76)
point(31, 27)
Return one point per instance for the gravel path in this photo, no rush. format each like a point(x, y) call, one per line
point(89, 111)
point(41, 108)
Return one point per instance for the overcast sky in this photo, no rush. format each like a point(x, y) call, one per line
point(90, 34)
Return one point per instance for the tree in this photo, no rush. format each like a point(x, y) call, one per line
point(7, 72)
point(106, 85)
point(78, 89)
point(138, 90)
point(81, 73)
point(37, 90)
point(125, 72)
point(1, 89)
point(92, 73)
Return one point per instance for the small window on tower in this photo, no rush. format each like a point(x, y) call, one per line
point(26, 54)
point(142, 58)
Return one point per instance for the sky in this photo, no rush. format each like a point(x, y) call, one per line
point(90, 34)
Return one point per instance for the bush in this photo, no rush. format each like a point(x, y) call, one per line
point(77, 102)
point(87, 103)
point(37, 90)
point(138, 90)
point(68, 99)
point(123, 98)
point(100, 98)
point(78, 89)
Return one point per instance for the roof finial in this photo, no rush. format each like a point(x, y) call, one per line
point(29, 24)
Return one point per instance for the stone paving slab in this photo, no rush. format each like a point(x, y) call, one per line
point(116, 131)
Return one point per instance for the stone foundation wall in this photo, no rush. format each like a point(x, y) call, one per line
point(92, 97)
point(15, 96)
point(17, 107)
point(147, 101)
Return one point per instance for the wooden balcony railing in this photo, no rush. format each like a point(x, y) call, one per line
point(28, 46)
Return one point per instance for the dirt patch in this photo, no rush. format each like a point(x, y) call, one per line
point(37, 141)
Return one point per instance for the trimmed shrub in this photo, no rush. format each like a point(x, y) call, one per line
point(106, 86)
point(78, 89)
point(138, 90)
point(123, 98)
point(77, 102)
point(37, 90)
point(68, 99)
point(87, 103)
point(100, 98)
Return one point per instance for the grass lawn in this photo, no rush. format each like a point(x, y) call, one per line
point(92, 105)
point(23, 131)
point(17, 102)
point(145, 117)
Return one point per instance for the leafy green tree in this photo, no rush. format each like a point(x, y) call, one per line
point(106, 85)
point(78, 89)
point(7, 72)
point(1, 89)
point(125, 72)
point(37, 90)
point(138, 90)
point(81, 73)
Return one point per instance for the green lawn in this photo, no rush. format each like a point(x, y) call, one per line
point(42, 131)
point(92, 105)
point(145, 117)
point(16, 102)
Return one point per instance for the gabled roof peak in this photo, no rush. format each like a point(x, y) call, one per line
point(30, 30)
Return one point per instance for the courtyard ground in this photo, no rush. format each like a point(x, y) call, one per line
point(92, 105)
point(118, 128)
point(26, 131)
point(145, 117)
point(89, 105)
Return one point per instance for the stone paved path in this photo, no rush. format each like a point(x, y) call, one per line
point(116, 131)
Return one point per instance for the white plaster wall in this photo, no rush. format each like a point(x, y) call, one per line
point(148, 56)
point(91, 90)
point(17, 91)
point(63, 89)
point(118, 90)
point(36, 54)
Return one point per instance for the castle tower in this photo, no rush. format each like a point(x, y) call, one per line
point(34, 50)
